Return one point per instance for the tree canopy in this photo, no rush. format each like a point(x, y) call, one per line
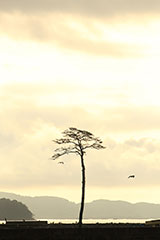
point(77, 141)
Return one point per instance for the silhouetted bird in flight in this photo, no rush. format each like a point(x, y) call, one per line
point(131, 176)
point(61, 162)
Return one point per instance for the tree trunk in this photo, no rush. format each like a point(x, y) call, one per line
point(83, 191)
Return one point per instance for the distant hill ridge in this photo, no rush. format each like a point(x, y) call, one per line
point(14, 210)
point(47, 207)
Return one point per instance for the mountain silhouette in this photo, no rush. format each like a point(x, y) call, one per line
point(46, 207)
point(14, 210)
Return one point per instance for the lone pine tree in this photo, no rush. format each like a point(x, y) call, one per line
point(77, 141)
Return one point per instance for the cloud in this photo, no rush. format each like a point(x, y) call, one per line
point(150, 145)
point(29, 165)
point(94, 8)
point(106, 28)
point(68, 32)
point(27, 131)
point(114, 165)
point(131, 118)
point(30, 105)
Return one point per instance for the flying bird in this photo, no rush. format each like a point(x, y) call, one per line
point(131, 176)
point(61, 162)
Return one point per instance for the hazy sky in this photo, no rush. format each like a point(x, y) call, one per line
point(88, 64)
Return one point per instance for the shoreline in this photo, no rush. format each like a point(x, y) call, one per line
point(73, 232)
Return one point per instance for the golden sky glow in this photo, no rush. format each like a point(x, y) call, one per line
point(95, 67)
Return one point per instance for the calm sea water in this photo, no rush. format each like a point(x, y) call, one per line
point(97, 220)
point(92, 220)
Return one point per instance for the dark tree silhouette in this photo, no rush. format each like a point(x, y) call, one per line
point(77, 141)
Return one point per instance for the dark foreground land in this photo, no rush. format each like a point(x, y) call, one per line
point(44, 231)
